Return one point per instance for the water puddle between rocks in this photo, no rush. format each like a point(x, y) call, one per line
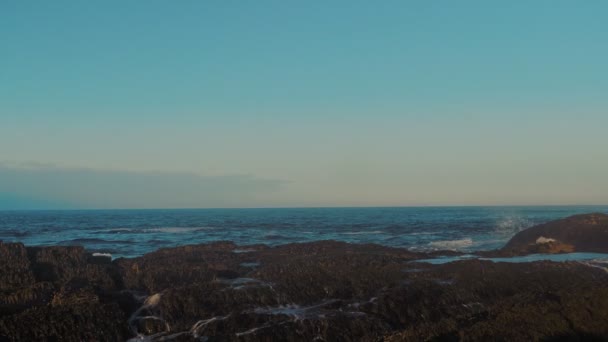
point(596, 259)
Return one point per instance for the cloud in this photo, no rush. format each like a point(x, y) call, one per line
point(34, 185)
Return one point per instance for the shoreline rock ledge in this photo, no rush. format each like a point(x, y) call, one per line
point(578, 233)
point(317, 291)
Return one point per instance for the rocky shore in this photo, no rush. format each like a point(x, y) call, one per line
point(321, 291)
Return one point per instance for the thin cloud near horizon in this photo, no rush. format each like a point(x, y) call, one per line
point(42, 186)
point(34, 185)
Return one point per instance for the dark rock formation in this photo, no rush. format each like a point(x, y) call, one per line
point(321, 291)
point(15, 270)
point(580, 233)
point(54, 293)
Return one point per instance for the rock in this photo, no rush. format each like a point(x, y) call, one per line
point(580, 233)
point(74, 292)
point(82, 322)
point(15, 270)
point(334, 291)
point(18, 287)
point(60, 264)
point(151, 325)
point(20, 299)
point(319, 291)
point(59, 293)
point(166, 267)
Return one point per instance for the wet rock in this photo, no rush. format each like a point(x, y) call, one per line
point(15, 270)
point(86, 322)
point(58, 293)
point(167, 267)
point(151, 325)
point(333, 291)
point(61, 264)
point(20, 299)
point(579, 233)
point(320, 291)
point(513, 301)
point(18, 287)
point(76, 291)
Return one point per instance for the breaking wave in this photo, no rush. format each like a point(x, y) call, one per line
point(108, 255)
point(454, 245)
point(511, 225)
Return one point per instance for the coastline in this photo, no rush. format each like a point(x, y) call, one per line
point(326, 290)
point(323, 291)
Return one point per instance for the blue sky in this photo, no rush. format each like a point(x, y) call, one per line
point(272, 103)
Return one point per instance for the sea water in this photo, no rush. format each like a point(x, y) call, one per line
point(598, 258)
point(127, 233)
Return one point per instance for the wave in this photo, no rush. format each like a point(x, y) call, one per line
point(363, 232)
point(15, 233)
point(176, 230)
point(484, 244)
point(420, 233)
point(117, 231)
point(511, 225)
point(277, 237)
point(169, 230)
point(452, 244)
point(157, 242)
point(83, 241)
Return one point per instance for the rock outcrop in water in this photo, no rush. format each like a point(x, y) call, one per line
point(321, 291)
point(579, 233)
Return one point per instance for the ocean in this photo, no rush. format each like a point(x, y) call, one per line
point(128, 233)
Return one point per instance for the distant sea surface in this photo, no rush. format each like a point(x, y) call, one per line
point(127, 233)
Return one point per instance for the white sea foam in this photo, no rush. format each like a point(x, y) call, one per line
point(254, 330)
point(542, 240)
point(195, 331)
point(295, 311)
point(597, 263)
point(511, 225)
point(119, 230)
point(102, 255)
point(452, 244)
point(421, 233)
point(199, 326)
point(244, 250)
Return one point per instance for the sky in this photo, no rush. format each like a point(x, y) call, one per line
point(191, 104)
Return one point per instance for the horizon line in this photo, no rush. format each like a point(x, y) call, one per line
point(321, 207)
